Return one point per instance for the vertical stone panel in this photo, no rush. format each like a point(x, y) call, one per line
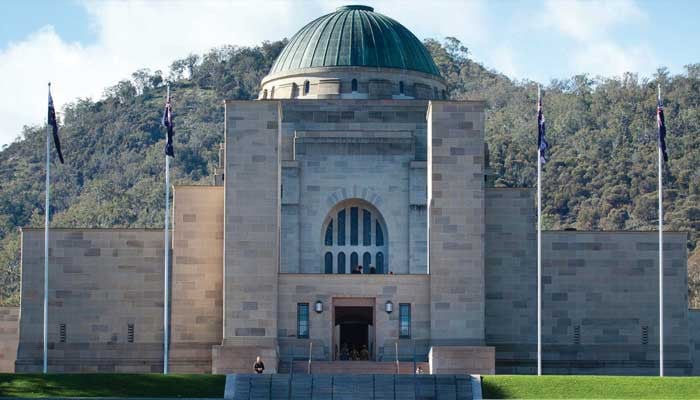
point(252, 228)
point(197, 277)
point(456, 221)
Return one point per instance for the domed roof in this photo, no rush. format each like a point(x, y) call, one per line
point(355, 36)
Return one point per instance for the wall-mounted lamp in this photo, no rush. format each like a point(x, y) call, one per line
point(318, 307)
point(389, 307)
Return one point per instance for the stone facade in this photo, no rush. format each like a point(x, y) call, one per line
point(197, 277)
point(367, 165)
point(9, 337)
point(105, 300)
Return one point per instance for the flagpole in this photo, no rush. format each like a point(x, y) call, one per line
point(661, 253)
point(539, 254)
point(46, 247)
point(166, 284)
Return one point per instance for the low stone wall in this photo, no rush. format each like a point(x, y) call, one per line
point(105, 300)
point(9, 336)
point(479, 360)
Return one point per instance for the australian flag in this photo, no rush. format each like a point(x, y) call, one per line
point(54, 127)
point(662, 129)
point(542, 144)
point(168, 124)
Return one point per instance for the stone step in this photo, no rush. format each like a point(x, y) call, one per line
point(349, 387)
point(356, 367)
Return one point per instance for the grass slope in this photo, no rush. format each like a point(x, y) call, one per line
point(111, 385)
point(590, 387)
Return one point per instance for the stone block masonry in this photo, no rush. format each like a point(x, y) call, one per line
point(251, 230)
point(456, 222)
point(105, 300)
point(9, 336)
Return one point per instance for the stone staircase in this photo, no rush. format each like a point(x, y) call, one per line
point(348, 387)
point(356, 367)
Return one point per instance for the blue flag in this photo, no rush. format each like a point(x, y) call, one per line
point(168, 124)
point(542, 144)
point(661, 123)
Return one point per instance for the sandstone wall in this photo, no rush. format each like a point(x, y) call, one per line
point(600, 295)
point(456, 222)
point(9, 337)
point(197, 277)
point(307, 288)
point(103, 284)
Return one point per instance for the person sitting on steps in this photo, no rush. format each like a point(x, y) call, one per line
point(259, 366)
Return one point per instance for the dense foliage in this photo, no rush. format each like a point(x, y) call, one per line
point(602, 172)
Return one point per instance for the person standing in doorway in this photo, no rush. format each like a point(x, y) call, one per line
point(259, 366)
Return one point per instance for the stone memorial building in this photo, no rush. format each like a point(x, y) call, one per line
point(353, 157)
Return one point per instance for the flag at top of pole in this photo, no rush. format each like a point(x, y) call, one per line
point(542, 144)
point(168, 124)
point(54, 127)
point(661, 123)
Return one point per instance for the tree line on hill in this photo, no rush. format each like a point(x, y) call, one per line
point(601, 174)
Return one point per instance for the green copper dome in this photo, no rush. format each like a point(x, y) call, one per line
point(355, 36)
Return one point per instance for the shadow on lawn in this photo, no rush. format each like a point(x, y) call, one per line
point(492, 391)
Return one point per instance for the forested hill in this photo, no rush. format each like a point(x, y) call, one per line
point(602, 172)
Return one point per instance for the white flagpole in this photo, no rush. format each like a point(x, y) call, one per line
point(46, 246)
point(539, 252)
point(166, 284)
point(661, 253)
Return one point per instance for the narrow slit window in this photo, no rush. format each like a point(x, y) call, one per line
point(379, 260)
point(329, 234)
point(62, 333)
point(366, 262)
point(341, 263)
point(401, 88)
point(366, 228)
point(353, 85)
point(405, 321)
point(341, 228)
point(380, 235)
point(307, 87)
point(577, 334)
point(328, 268)
point(303, 320)
point(353, 226)
point(353, 261)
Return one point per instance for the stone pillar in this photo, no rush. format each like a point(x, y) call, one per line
point(456, 222)
point(251, 237)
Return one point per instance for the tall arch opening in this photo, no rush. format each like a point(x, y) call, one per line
point(354, 239)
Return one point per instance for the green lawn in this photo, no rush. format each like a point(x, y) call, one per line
point(111, 385)
point(589, 387)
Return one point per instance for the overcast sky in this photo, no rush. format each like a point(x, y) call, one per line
point(84, 46)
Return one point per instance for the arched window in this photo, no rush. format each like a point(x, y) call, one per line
point(379, 234)
point(329, 263)
point(353, 85)
point(341, 263)
point(354, 233)
point(307, 87)
point(329, 234)
point(401, 89)
point(379, 261)
point(295, 90)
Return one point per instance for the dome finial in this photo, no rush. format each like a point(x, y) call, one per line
point(355, 7)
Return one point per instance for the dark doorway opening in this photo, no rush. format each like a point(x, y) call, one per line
point(354, 333)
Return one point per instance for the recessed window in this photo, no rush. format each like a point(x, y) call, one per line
point(405, 321)
point(328, 268)
point(329, 234)
point(577, 334)
point(353, 85)
point(444, 94)
point(62, 333)
point(272, 93)
point(341, 227)
point(303, 320)
point(341, 263)
point(401, 89)
point(379, 261)
point(354, 261)
point(295, 90)
point(366, 228)
point(307, 87)
point(366, 261)
point(645, 335)
point(353, 226)
point(264, 94)
point(435, 93)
